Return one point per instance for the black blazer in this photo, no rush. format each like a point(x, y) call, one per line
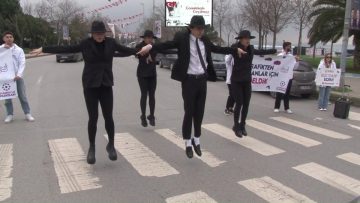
point(242, 66)
point(145, 69)
point(181, 42)
point(98, 66)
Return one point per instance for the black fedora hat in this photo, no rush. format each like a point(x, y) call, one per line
point(98, 27)
point(245, 34)
point(197, 21)
point(148, 33)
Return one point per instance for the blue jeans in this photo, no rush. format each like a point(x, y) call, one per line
point(324, 95)
point(22, 97)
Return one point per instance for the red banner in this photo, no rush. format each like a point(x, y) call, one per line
point(114, 4)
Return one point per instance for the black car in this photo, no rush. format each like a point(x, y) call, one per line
point(69, 57)
point(167, 60)
point(219, 65)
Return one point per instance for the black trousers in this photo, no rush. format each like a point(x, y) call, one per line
point(242, 95)
point(104, 96)
point(147, 88)
point(285, 97)
point(194, 96)
point(230, 100)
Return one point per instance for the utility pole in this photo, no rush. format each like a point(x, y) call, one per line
point(345, 42)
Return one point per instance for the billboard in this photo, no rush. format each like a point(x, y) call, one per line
point(179, 12)
point(355, 15)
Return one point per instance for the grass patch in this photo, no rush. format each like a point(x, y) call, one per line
point(315, 63)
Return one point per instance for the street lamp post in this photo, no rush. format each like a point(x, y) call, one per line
point(345, 42)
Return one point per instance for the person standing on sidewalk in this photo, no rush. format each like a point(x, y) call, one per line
point(324, 91)
point(98, 81)
point(19, 64)
point(229, 63)
point(280, 96)
point(193, 68)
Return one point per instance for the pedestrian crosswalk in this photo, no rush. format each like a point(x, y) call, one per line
point(273, 191)
point(75, 175)
point(72, 171)
point(6, 167)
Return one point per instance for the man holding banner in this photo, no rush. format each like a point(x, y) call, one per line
point(12, 66)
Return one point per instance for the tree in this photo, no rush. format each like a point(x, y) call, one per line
point(58, 12)
point(328, 16)
point(222, 9)
point(9, 7)
point(253, 13)
point(278, 14)
point(234, 24)
point(303, 9)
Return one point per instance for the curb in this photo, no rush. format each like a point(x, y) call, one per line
point(355, 101)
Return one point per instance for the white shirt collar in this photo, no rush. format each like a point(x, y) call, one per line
point(192, 37)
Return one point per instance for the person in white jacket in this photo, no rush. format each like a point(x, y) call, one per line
point(229, 63)
point(19, 64)
point(324, 91)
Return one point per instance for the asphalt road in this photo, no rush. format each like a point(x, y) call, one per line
point(307, 156)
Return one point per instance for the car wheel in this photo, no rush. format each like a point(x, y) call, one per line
point(224, 78)
point(305, 96)
point(273, 94)
point(58, 61)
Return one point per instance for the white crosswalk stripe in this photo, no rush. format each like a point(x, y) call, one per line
point(145, 161)
point(248, 142)
point(72, 171)
point(273, 191)
point(350, 157)
point(354, 126)
point(312, 128)
point(6, 167)
point(194, 197)
point(304, 141)
point(331, 177)
point(206, 157)
point(354, 116)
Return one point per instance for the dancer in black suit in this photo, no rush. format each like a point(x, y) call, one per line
point(97, 80)
point(193, 68)
point(241, 80)
point(146, 73)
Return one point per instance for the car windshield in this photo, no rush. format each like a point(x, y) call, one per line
point(218, 57)
point(303, 67)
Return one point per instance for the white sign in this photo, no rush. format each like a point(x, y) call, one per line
point(180, 12)
point(272, 74)
point(328, 77)
point(112, 28)
point(157, 29)
point(8, 89)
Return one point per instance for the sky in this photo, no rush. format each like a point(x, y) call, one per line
point(132, 7)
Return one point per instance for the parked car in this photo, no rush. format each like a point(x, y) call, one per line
point(219, 65)
point(167, 60)
point(69, 57)
point(303, 83)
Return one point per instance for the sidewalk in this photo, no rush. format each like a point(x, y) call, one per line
point(354, 94)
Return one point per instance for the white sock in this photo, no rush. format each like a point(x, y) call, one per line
point(197, 140)
point(188, 143)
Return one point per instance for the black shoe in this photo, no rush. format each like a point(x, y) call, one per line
point(143, 121)
point(112, 152)
point(237, 132)
point(197, 148)
point(91, 155)
point(244, 132)
point(189, 152)
point(151, 120)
